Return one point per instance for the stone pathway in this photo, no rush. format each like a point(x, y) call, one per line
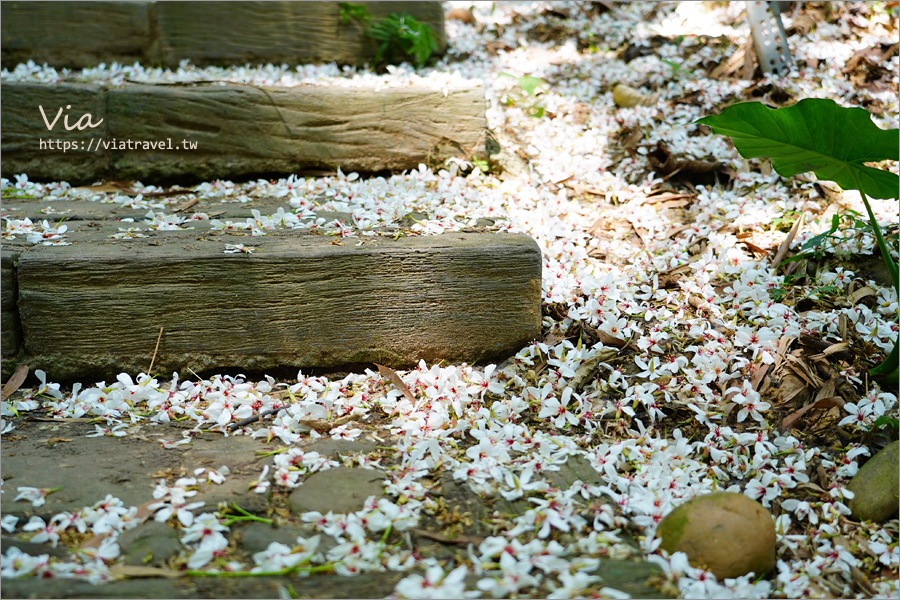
point(58, 454)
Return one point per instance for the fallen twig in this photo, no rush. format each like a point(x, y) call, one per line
point(438, 537)
point(153, 360)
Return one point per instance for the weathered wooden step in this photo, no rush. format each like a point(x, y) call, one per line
point(84, 34)
point(96, 307)
point(157, 133)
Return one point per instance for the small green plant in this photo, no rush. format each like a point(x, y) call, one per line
point(835, 143)
point(399, 36)
point(886, 421)
point(785, 221)
point(354, 11)
point(405, 35)
point(531, 86)
point(817, 246)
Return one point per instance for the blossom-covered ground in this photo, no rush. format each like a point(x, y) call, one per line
point(673, 350)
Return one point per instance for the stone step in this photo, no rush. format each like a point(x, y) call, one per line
point(85, 34)
point(300, 299)
point(201, 132)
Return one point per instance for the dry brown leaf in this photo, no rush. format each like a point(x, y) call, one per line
point(641, 233)
point(821, 347)
point(15, 382)
point(812, 487)
point(823, 403)
point(56, 440)
point(802, 368)
point(754, 248)
point(586, 370)
point(323, 425)
point(611, 340)
point(859, 294)
point(665, 163)
point(392, 376)
point(580, 189)
point(783, 249)
point(631, 138)
point(94, 542)
point(667, 196)
point(111, 187)
point(783, 345)
point(462, 14)
point(826, 391)
point(835, 348)
point(758, 376)
point(551, 339)
point(861, 580)
point(734, 63)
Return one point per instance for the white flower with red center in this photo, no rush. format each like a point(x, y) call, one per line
point(557, 410)
point(749, 401)
point(434, 584)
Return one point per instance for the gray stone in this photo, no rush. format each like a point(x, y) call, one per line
point(31, 548)
point(150, 543)
point(459, 498)
point(576, 468)
point(875, 486)
point(339, 490)
point(334, 449)
point(255, 536)
point(640, 579)
point(87, 469)
point(29, 587)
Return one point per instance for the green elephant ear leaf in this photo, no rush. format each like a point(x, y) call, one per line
point(814, 135)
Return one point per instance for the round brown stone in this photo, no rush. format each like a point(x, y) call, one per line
point(726, 533)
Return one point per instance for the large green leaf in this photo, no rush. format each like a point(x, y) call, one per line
point(814, 135)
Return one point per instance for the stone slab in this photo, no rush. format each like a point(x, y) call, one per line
point(55, 454)
point(84, 34)
point(338, 490)
point(95, 308)
point(159, 133)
